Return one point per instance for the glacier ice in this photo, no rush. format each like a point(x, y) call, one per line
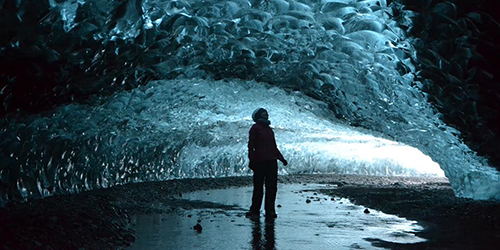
point(190, 128)
point(351, 55)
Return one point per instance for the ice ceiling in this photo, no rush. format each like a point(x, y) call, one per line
point(98, 93)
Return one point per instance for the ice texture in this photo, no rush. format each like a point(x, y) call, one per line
point(352, 57)
point(189, 129)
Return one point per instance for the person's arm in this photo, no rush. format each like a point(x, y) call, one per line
point(251, 142)
point(281, 158)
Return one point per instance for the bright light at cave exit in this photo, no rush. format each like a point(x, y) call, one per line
point(380, 151)
point(343, 150)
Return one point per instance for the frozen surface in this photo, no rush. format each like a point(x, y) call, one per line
point(322, 224)
point(193, 128)
point(351, 55)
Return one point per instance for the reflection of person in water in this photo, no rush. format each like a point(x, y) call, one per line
point(263, 154)
point(268, 242)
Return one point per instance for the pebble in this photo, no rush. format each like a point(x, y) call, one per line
point(198, 227)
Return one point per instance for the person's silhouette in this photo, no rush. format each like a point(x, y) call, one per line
point(263, 154)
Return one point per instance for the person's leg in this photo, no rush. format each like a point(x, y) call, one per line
point(271, 187)
point(258, 190)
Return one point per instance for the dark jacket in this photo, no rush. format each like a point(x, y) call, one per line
point(262, 145)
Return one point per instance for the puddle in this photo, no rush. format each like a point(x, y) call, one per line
point(321, 224)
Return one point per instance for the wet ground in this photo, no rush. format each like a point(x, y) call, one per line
point(116, 218)
point(307, 220)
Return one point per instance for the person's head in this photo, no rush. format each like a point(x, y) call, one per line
point(260, 113)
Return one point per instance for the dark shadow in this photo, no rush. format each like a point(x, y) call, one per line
point(256, 234)
point(266, 241)
point(269, 235)
point(396, 246)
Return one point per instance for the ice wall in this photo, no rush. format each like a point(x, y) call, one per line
point(352, 55)
point(188, 128)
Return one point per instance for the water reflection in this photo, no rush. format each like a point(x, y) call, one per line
point(266, 241)
point(323, 223)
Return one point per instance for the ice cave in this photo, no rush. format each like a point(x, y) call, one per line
point(101, 93)
point(124, 124)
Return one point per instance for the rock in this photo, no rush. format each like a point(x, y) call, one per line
point(367, 211)
point(308, 201)
point(198, 227)
point(279, 206)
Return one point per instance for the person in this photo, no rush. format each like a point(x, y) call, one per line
point(263, 154)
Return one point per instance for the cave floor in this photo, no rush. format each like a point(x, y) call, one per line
point(145, 215)
point(307, 220)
